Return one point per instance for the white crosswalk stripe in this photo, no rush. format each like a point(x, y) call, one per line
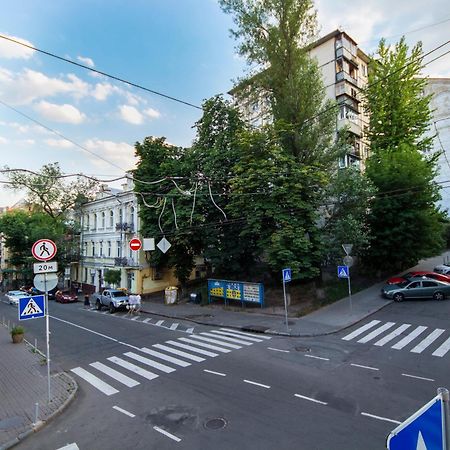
point(376, 332)
point(228, 339)
point(407, 339)
point(229, 333)
point(106, 388)
point(179, 353)
point(164, 357)
point(215, 341)
point(202, 344)
point(150, 362)
point(361, 330)
point(127, 381)
point(246, 334)
point(443, 349)
point(419, 348)
point(192, 348)
point(393, 334)
point(133, 368)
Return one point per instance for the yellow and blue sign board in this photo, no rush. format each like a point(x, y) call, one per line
point(236, 290)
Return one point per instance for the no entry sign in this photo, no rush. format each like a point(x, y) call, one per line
point(135, 244)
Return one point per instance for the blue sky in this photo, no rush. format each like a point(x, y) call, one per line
point(178, 47)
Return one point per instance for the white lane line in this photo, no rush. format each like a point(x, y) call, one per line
point(245, 334)
point(376, 332)
point(380, 418)
point(227, 339)
point(192, 349)
point(190, 330)
point(407, 339)
point(364, 367)
point(317, 357)
point(215, 341)
point(392, 335)
point(124, 411)
point(215, 373)
point(179, 352)
point(443, 349)
point(159, 323)
point(361, 330)
point(166, 433)
point(202, 344)
point(174, 326)
point(146, 320)
point(278, 350)
point(421, 346)
point(127, 381)
point(94, 381)
point(150, 362)
point(311, 399)
point(135, 318)
point(164, 357)
point(133, 368)
point(418, 378)
point(257, 384)
point(229, 333)
point(73, 446)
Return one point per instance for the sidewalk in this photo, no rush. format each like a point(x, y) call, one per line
point(23, 383)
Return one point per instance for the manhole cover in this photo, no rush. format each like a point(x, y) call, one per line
point(216, 424)
point(302, 349)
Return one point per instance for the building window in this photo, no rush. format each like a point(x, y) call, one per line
point(85, 275)
point(109, 248)
point(103, 219)
point(111, 218)
point(119, 249)
point(343, 162)
point(93, 248)
point(85, 250)
point(95, 222)
point(100, 245)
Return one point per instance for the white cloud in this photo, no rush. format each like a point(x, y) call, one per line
point(152, 113)
point(61, 143)
point(60, 113)
point(12, 50)
point(86, 61)
point(118, 153)
point(102, 91)
point(3, 140)
point(131, 115)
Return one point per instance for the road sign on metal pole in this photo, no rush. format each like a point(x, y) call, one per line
point(31, 307)
point(44, 250)
point(135, 244)
point(344, 272)
point(347, 248)
point(287, 277)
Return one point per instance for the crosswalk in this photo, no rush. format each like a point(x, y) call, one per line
point(412, 338)
point(131, 368)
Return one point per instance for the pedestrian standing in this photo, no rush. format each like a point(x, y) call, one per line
point(87, 303)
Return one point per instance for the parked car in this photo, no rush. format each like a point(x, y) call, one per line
point(408, 275)
point(13, 296)
point(65, 297)
point(417, 288)
point(114, 299)
point(442, 268)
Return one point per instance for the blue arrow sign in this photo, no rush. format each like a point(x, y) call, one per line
point(287, 275)
point(421, 431)
point(31, 307)
point(343, 272)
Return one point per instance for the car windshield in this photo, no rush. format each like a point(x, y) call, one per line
point(17, 293)
point(117, 294)
point(408, 275)
point(403, 284)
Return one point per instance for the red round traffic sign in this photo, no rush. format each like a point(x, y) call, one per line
point(44, 250)
point(135, 244)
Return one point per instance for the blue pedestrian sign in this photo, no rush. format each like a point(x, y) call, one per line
point(287, 275)
point(31, 307)
point(343, 272)
point(421, 431)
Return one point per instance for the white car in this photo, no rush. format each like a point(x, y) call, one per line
point(443, 268)
point(13, 296)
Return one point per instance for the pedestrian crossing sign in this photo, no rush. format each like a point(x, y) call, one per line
point(343, 272)
point(287, 275)
point(31, 307)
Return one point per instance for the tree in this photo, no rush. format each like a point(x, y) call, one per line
point(405, 223)
point(112, 277)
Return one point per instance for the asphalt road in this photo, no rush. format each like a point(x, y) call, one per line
point(344, 391)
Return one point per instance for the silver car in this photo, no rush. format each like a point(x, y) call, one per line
point(417, 288)
point(443, 268)
point(13, 296)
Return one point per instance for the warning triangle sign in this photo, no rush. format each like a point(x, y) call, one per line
point(342, 273)
point(31, 308)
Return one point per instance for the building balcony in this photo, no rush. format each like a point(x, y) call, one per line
point(128, 227)
point(341, 76)
point(125, 262)
point(352, 125)
point(343, 52)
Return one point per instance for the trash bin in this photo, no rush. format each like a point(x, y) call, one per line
point(193, 297)
point(171, 294)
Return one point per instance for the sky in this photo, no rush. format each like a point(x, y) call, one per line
point(180, 48)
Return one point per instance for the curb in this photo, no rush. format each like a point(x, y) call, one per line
point(41, 423)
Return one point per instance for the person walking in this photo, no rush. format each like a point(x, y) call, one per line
point(87, 302)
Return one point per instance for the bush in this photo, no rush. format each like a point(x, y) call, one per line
point(17, 330)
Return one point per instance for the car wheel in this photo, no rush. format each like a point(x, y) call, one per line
point(112, 308)
point(438, 296)
point(398, 297)
point(98, 305)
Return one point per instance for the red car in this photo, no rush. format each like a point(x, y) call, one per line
point(406, 276)
point(67, 297)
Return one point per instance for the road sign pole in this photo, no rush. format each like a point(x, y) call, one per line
point(285, 305)
point(350, 292)
point(444, 393)
point(47, 333)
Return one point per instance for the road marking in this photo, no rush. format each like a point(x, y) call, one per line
point(364, 367)
point(179, 353)
point(190, 330)
point(215, 373)
point(228, 339)
point(311, 399)
point(215, 341)
point(380, 418)
point(174, 326)
point(69, 447)
point(257, 384)
point(192, 349)
point(147, 320)
point(164, 357)
point(150, 362)
point(133, 368)
point(159, 323)
point(229, 333)
point(245, 334)
point(278, 350)
point(171, 436)
point(415, 376)
point(393, 334)
point(94, 381)
point(317, 357)
point(376, 332)
point(419, 348)
point(443, 349)
point(124, 411)
point(135, 318)
point(127, 381)
point(202, 344)
point(407, 339)
point(361, 330)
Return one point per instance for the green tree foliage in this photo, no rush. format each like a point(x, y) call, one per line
point(405, 222)
point(112, 277)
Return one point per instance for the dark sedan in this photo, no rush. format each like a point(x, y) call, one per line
point(417, 288)
point(65, 297)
